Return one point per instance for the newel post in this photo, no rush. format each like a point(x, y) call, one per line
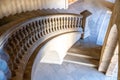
point(86, 15)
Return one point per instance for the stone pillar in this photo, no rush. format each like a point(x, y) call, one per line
point(115, 19)
point(86, 15)
point(108, 48)
point(114, 63)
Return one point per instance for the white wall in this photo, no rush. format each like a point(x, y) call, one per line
point(103, 28)
point(55, 50)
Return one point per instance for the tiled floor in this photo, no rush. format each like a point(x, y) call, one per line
point(68, 71)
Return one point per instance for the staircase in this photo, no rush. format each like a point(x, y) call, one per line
point(84, 53)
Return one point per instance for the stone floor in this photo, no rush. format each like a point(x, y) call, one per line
point(69, 71)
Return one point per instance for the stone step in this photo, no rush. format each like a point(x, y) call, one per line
point(87, 52)
point(79, 55)
point(81, 60)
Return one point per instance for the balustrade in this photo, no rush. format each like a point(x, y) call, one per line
point(20, 41)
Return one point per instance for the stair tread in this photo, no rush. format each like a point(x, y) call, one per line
point(87, 48)
point(86, 61)
point(91, 52)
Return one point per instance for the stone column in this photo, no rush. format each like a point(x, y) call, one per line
point(86, 15)
point(115, 19)
point(108, 48)
point(112, 69)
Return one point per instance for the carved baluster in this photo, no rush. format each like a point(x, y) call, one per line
point(40, 23)
point(70, 22)
point(41, 33)
point(60, 22)
point(63, 22)
point(27, 41)
point(57, 23)
point(9, 50)
point(28, 29)
point(66, 22)
point(25, 46)
point(31, 27)
point(22, 34)
point(36, 35)
point(36, 31)
point(46, 26)
point(72, 18)
point(32, 37)
point(52, 24)
point(25, 31)
point(33, 31)
point(12, 42)
point(50, 27)
point(80, 22)
point(74, 25)
point(16, 39)
point(17, 45)
point(35, 24)
point(73, 22)
point(40, 28)
point(18, 36)
point(77, 25)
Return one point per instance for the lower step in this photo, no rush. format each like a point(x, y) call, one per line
point(81, 60)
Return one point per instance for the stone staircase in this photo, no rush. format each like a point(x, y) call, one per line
point(84, 54)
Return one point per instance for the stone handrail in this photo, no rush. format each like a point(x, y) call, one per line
point(21, 40)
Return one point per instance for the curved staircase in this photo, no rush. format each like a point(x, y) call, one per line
point(22, 40)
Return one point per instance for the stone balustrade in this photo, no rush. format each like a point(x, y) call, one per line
point(20, 41)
